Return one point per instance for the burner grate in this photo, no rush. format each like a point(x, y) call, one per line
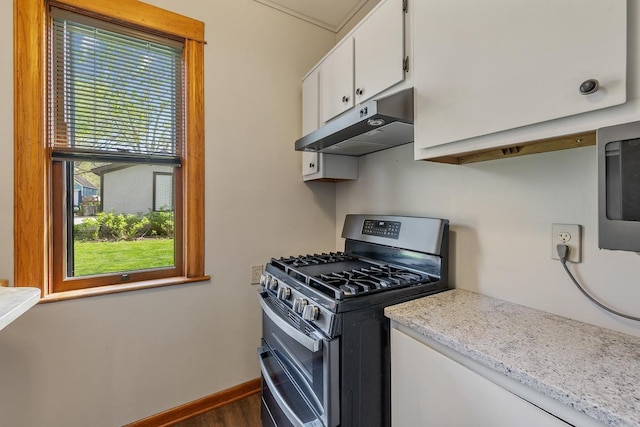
point(342, 276)
point(344, 284)
point(315, 259)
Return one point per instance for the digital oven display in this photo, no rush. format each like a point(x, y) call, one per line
point(388, 229)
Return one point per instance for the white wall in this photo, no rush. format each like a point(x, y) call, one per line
point(130, 190)
point(110, 360)
point(501, 213)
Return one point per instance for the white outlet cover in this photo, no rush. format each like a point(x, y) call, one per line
point(256, 272)
point(574, 243)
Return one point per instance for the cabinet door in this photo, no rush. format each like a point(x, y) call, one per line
point(482, 68)
point(318, 166)
point(310, 163)
point(429, 389)
point(336, 80)
point(379, 51)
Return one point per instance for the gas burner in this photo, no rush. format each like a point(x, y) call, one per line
point(374, 267)
point(370, 279)
point(315, 259)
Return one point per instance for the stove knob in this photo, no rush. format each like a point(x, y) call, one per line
point(310, 312)
point(272, 283)
point(299, 305)
point(263, 280)
point(284, 293)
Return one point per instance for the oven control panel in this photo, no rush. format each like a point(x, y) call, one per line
point(388, 229)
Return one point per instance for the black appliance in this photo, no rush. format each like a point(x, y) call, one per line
point(325, 356)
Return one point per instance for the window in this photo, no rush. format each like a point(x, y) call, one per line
point(162, 191)
point(108, 181)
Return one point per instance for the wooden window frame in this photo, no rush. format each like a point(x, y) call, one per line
point(33, 206)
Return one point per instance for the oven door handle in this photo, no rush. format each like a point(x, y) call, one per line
point(310, 343)
point(284, 406)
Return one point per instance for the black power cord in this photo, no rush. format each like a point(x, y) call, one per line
point(563, 253)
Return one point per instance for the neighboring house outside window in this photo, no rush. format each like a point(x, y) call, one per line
point(125, 102)
point(147, 188)
point(82, 188)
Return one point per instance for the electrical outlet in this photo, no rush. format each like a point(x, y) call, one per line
point(256, 272)
point(570, 235)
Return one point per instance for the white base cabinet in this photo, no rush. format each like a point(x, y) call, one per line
point(430, 389)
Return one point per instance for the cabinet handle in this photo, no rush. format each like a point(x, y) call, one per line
point(312, 165)
point(589, 86)
point(359, 91)
point(345, 99)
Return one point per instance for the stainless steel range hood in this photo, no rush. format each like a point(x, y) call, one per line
point(370, 127)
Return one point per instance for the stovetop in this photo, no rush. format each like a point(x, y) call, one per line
point(341, 276)
point(387, 260)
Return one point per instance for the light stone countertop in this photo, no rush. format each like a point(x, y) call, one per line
point(16, 301)
point(591, 369)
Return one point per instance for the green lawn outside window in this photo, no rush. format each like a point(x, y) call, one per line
point(93, 258)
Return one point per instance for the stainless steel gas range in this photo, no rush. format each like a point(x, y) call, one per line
point(325, 341)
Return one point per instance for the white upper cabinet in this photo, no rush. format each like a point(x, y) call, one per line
point(366, 62)
point(337, 81)
point(319, 166)
point(379, 51)
point(482, 68)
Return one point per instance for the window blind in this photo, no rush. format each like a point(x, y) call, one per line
point(116, 94)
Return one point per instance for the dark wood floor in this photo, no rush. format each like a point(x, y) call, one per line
point(242, 413)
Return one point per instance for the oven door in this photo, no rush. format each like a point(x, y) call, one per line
point(300, 369)
point(284, 405)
